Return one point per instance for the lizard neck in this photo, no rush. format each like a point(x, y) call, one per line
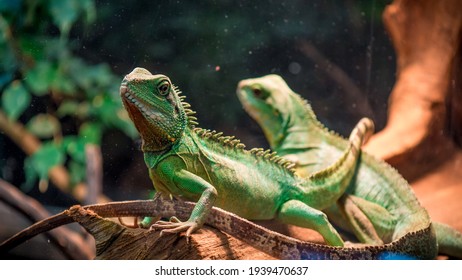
point(152, 158)
point(301, 128)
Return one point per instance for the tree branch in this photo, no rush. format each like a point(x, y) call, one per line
point(71, 244)
point(94, 161)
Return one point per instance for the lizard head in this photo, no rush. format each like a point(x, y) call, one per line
point(266, 100)
point(154, 107)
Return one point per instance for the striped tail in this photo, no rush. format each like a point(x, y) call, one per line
point(361, 134)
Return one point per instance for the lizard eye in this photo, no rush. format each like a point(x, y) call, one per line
point(164, 88)
point(259, 93)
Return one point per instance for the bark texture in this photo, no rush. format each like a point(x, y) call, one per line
point(114, 241)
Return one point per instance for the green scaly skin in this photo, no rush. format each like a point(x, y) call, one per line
point(379, 206)
point(200, 165)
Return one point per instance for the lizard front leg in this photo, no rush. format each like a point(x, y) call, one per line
point(188, 185)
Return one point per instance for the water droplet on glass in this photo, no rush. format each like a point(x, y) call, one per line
point(295, 68)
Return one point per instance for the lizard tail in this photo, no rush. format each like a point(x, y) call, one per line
point(332, 181)
point(449, 240)
point(362, 132)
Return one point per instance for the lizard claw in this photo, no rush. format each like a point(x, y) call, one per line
point(174, 219)
point(176, 226)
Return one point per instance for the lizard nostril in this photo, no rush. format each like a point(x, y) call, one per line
point(123, 89)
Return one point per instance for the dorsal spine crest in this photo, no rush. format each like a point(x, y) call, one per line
point(230, 141)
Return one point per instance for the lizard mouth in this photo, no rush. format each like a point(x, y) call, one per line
point(144, 119)
point(132, 101)
point(243, 96)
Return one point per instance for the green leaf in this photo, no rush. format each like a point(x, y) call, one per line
point(91, 133)
point(15, 100)
point(80, 73)
point(106, 108)
point(44, 125)
point(102, 74)
point(91, 78)
point(41, 77)
point(63, 84)
point(55, 49)
point(68, 108)
point(76, 149)
point(111, 113)
point(10, 6)
point(89, 9)
point(34, 46)
point(67, 140)
point(124, 123)
point(64, 13)
point(30, 175)
point(5, 78)
point(77, 172)
point(4, 29)
point(47, 157)
point(83, 110)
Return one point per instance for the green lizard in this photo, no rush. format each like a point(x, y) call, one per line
point(200, 165)
point(419, 243)
point(379, 205)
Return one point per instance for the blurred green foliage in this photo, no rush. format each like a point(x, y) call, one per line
point(62, 99)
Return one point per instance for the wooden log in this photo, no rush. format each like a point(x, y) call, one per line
point(114, 241)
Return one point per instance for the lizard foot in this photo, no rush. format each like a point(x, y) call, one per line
point(176, 226)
